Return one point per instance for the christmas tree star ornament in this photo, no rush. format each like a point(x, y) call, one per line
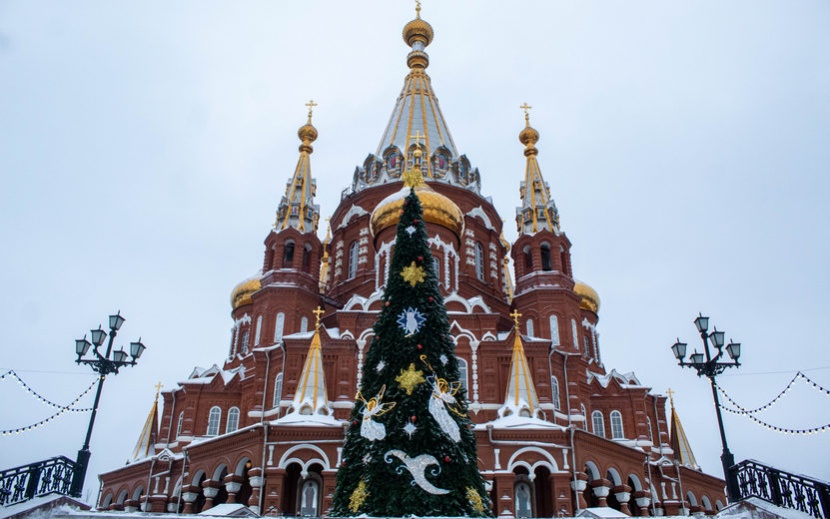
point(410, 378)
point(358, 496)
point(475, 499)
point(413, 274)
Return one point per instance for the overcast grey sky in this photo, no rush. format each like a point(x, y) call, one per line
point(144, 147)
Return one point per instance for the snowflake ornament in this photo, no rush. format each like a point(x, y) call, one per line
point(444, 360)
point(410, 230)
point(380, 366)
point(410, 429)
point(411, 320)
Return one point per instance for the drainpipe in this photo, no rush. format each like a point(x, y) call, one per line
point(657, 421)
point(181, 490)
point(651, 490)
point(265, 424)
point(570, 422)
point(149, 480)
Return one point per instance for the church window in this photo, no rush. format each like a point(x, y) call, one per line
point(586, 345)
point(650, 432)
point(393, 160)
point(278, 390)
point(288, 254)
point(546, 260)
point(213, 421)
point(304, 325)
point(554, 393)
point(554, 330)
point(585, 417)
point(233, 420)
point(279, 327)
point(529, 327)
point(598, 424)
point(575, 334)
point(616, 425)
point(179, 426)
point(244, 348)
point(563, 258)
point(353, 252)
point(436, 266)
point(307, 258)
point(462, 372)
point(258, 331)
point(528, 259)
point(479, 262)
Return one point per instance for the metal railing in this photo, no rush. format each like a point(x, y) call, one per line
point(36, 479)
point(783, 489)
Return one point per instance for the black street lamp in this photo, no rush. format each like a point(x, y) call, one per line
point(707, 365)
point(105, 364)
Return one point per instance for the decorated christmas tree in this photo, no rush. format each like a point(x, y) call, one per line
point(410, 447)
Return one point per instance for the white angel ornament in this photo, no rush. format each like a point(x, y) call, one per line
point(370, 429)
point(442, 399)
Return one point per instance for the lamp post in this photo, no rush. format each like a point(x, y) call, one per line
point(110, 362)
point(711, 366)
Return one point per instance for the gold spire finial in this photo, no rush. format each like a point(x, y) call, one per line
point(526, 107)
point(515, 315)
point(158, 387)
point(418, 9)
point(317, 313)
point(417, 138)
point(671, 397)
point(310, 104)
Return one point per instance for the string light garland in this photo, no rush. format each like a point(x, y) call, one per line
point(750, 413)
point(69, 407)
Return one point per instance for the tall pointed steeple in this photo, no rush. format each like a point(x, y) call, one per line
point(297, 208)
point(146, 444)
point(521, 399)
point(310, 398)
point(679, 442)
point(538, 211)
point(417, 112)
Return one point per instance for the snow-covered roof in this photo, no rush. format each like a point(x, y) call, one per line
point(629, 379)
point(521, 399)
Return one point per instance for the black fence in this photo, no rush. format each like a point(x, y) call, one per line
point(783, 489)
point(36, 479)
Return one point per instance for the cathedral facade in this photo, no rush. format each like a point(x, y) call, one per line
point(557, 431)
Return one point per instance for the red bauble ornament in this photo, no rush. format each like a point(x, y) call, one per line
point(430, 299)
point(447, 459)
point(420, 347)
point(354, 422)
point(413, 418)
point(415, 220)
point(387, 303)
point(420, 259)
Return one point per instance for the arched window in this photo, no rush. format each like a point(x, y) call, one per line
point(436, 266)
point(462, 372)
point(616, 425)
point(528, 259)
point(479, 261)
point(585, 416)
point(179, 426)
point(546, 261)
point(529, 327)
point(278, 390)
point(554, 393)
point(598, 424)
point(288, 254)
point(353, 256)
point(213, 421)
point(307, 258)
point(279, 326)
point(563, 258)
point(233, 420)
point(304, 325)
point(554, 330)
point(244, 348)
point(258, 331)
point(650, 433)
point(575, 334)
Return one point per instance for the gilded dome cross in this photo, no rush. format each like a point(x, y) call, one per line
point(310, 104)
point(526, 107)
point(317, 313)
point(515, 315)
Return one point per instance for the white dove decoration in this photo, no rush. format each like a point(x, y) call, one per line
point(417, 467)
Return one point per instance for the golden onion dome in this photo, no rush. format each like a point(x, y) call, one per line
point(589, 299)
point(438, 209)
point(307, 132)
point(418, 30)
point(528, 135)
point(241, 294)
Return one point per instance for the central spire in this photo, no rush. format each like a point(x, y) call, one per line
point(417, 108)
point(538, 211)
point(297, 208)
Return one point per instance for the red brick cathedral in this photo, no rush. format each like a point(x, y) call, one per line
point(557, 431)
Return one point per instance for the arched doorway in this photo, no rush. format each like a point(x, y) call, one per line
point(543, 492)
